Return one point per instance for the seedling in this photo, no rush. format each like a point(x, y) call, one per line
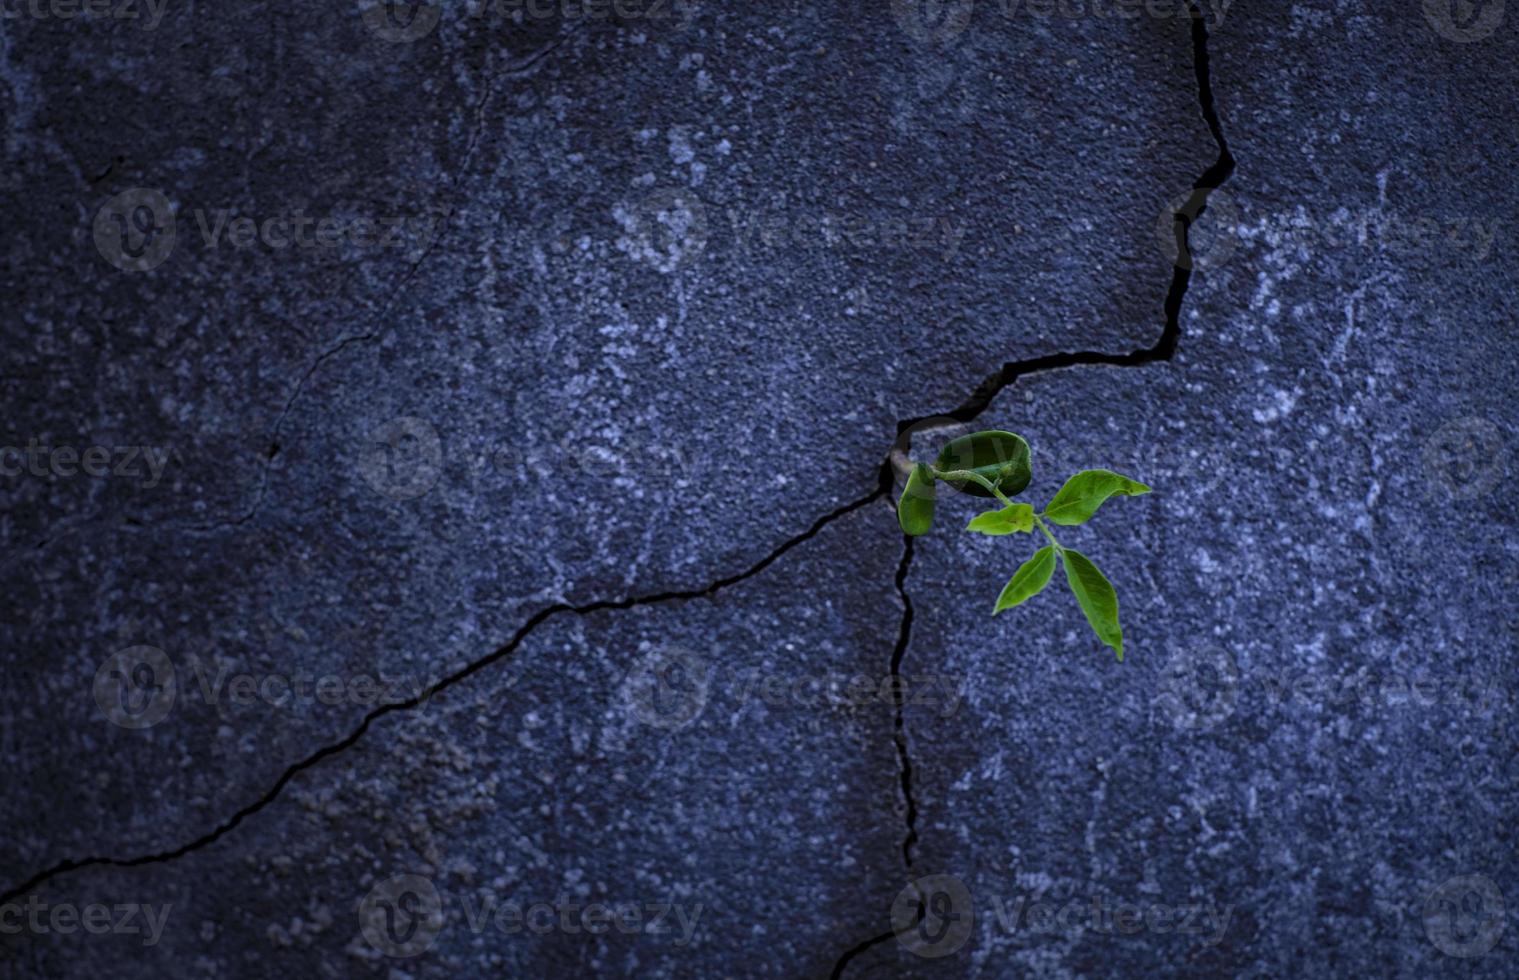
point(996, 464)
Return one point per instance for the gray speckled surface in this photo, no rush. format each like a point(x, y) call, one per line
point(658, 293)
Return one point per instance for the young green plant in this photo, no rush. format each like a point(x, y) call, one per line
point(995, 464)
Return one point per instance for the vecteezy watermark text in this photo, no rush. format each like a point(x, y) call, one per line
point(137, 687)
point(413, 20)
point(146, 12)
point(934, 916)
point(100, 462)
point(403, 916)
point(127, 919)
point(1116, 9)
point(668, 687)
point(1070, 916)
point(138, 229)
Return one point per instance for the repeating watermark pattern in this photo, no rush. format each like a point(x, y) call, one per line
point(403, 22)
point(143, 464)
point(1045, 10)
point(1075, 915)
point(667, 688)
point(1464, 916)
point(665, 229)
point(135, 230)
point(39, 918)
point(403, 916)
point(1220, 230)
point(1201, 243)
point(413, 20)
point(1199, 687)
point(1466, 457)
point(933, 916)
point(1392, 690)
point(1464, 21)
point(938, 23)
point(147, 14)
point(138, 687)
point(1202, 686)
point(932, 23)
point(670, 687)
point(671, 228)
point(297, 229)
point(403, 458)
point(940, 235)
point(1396, 233)
point(138, 230)
point(601, 457)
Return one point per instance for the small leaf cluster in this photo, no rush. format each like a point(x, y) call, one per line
point(996, 464)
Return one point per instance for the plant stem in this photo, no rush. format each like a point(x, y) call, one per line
point(974, 478)
point(1044, 528)
point(992, 488)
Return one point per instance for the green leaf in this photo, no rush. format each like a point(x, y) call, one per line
point(1018, 517)
point(915, 509)
point(1029, 580)
point(1083, 493)
point(999, 457)
point(1096, 596)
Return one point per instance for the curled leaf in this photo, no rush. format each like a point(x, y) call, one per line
point(1001, 458)
point(915, 508)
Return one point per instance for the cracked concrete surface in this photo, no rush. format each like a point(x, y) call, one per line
point(688, 277)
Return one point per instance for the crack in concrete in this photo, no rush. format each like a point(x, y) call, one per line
point(899, 703)
point(904, 759)
point(437, 687)
point(979, 400)
point(1163, 350)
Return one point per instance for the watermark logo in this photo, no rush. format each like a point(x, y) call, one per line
point(136, 687)
point(668, 687)
point(134, 231)
point(933, 916)
point(1199, 687)
point(1197, 232)
point(402, 22)
point(402, 916)
point(1464, 21)
point(1465, 457)
point(666, 229)
point(402, 458)
point(1464, 917)
point(932, 23)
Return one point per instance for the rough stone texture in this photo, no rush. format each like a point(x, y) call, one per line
point(626, 408)
point(585, 389)
point(1312, 550)
point(754, 796)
